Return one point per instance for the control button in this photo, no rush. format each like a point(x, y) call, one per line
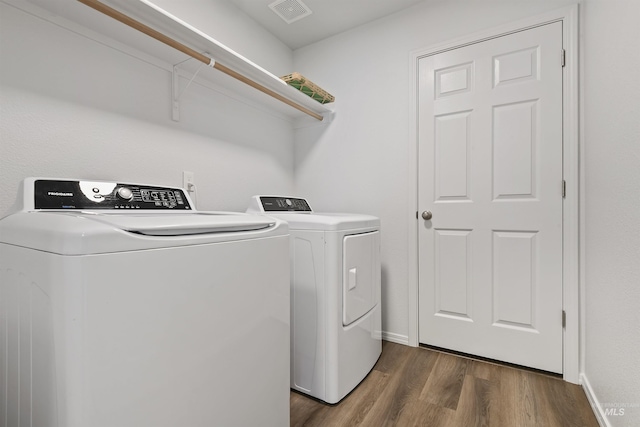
point(95, 189)
point(124, 193)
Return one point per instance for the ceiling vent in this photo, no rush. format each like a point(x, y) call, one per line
point(290, 10)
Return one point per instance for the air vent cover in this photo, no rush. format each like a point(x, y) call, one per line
point(290, 10)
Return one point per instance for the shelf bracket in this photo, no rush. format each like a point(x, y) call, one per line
point(175, 87)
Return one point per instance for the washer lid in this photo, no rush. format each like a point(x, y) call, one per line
point(81, 233)
point(149, 224)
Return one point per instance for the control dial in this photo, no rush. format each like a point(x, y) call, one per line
point(124, 193)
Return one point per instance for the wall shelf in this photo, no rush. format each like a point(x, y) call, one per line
point(80, 18)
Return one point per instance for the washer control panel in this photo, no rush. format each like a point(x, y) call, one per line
point(284, 204)
point(91, 195)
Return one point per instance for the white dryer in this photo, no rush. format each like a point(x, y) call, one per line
point(335, 296)
point(122, 305)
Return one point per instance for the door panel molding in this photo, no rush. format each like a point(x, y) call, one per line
point(573, 342)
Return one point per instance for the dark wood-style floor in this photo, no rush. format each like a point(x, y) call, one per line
point(421, 387)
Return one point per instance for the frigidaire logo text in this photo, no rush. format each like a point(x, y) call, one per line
point(56, 193)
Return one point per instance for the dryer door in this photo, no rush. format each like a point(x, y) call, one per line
point(360, 275)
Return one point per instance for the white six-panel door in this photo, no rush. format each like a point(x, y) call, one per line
point(490, 173)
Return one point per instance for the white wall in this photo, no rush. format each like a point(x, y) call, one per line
point(360, 162)
point(71, 107)
point(612, 215)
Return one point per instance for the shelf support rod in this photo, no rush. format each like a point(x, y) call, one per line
point(127, 20)
point(175, 88)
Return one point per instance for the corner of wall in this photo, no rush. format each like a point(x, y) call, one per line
point(593, 401)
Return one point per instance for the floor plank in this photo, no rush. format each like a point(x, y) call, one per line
point(421, 387)
point(403, 390)
point(473, 407)
point(443, 387)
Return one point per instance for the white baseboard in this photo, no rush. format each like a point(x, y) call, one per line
point(396, 338)
point(593, 401)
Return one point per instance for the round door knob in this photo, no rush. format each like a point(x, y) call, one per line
point(427, 215)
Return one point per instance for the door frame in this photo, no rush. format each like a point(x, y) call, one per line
point(572, 173)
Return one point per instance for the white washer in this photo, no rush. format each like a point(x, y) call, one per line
point(335, 296)
point(122, 305)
